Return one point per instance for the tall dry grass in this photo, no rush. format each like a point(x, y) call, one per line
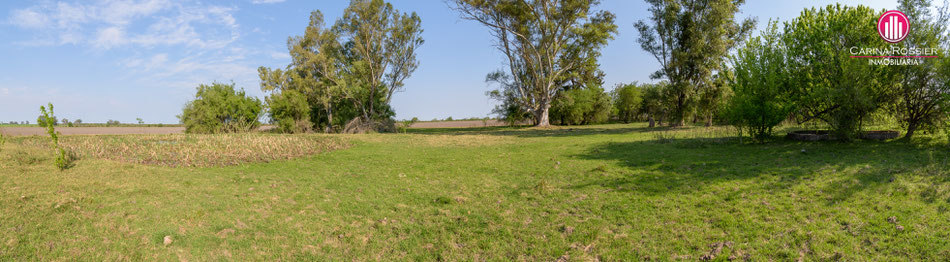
point(186, 150)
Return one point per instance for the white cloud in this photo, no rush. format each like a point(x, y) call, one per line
point(173, 45)
point(107, 24)
point(266, 1)
point(29, 18)
point(110, 37)
point(280, 55)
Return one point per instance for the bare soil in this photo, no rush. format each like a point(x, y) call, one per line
point(39, 131)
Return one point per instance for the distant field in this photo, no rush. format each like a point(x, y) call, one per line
point(594, 193)
point(39, 131)
point(31, 130)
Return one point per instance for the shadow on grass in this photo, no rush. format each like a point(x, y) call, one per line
point(529, 131)
point(687, 165)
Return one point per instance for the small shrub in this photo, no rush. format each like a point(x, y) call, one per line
point(112, 122)
point(290, 111)
point(407, 124)
point(64, 160)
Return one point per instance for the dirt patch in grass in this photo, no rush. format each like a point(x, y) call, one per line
point(179, 150)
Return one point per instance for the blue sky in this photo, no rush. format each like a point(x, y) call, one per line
point(112, 59)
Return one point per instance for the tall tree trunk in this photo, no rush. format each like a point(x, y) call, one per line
point(541, 116)
point(329, 120)
point(650, 118)
point(679, 114)
point(911, 128)
point(709, 120)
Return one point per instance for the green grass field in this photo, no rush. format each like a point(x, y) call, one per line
point(609, 193)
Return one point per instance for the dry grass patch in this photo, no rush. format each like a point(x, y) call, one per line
point(181, 150)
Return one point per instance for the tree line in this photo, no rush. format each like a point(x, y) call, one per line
point(343, 75)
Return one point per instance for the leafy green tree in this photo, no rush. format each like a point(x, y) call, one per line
point(654, 103)
point(627, 99)
point(922, 94)
point(352, 69)
point(219, 108)
point(690, 39)
point(761, 85)
point(290, 111)
point(826, 83)
point(581, 106)
point(546, 43)
point(714, 97)
point(140, 121)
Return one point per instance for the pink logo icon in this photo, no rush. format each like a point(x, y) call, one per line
point(893, 26)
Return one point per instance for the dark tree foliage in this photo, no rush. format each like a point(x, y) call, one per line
point(761, 85)
point(627, 100)
point(219, 108)
point(347, 71)
point(922, 101)
point(826, 83)
point(690, 39)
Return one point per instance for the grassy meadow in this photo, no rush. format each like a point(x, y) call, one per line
point(606, 192)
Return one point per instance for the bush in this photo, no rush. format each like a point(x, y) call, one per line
point(627, 100)
point(219, 108)
point(112, 122)
point(290, 111)
point(581, 106)
point(761, 86)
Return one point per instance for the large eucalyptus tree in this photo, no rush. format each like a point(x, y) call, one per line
point(547, 43)
point(351, 69)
